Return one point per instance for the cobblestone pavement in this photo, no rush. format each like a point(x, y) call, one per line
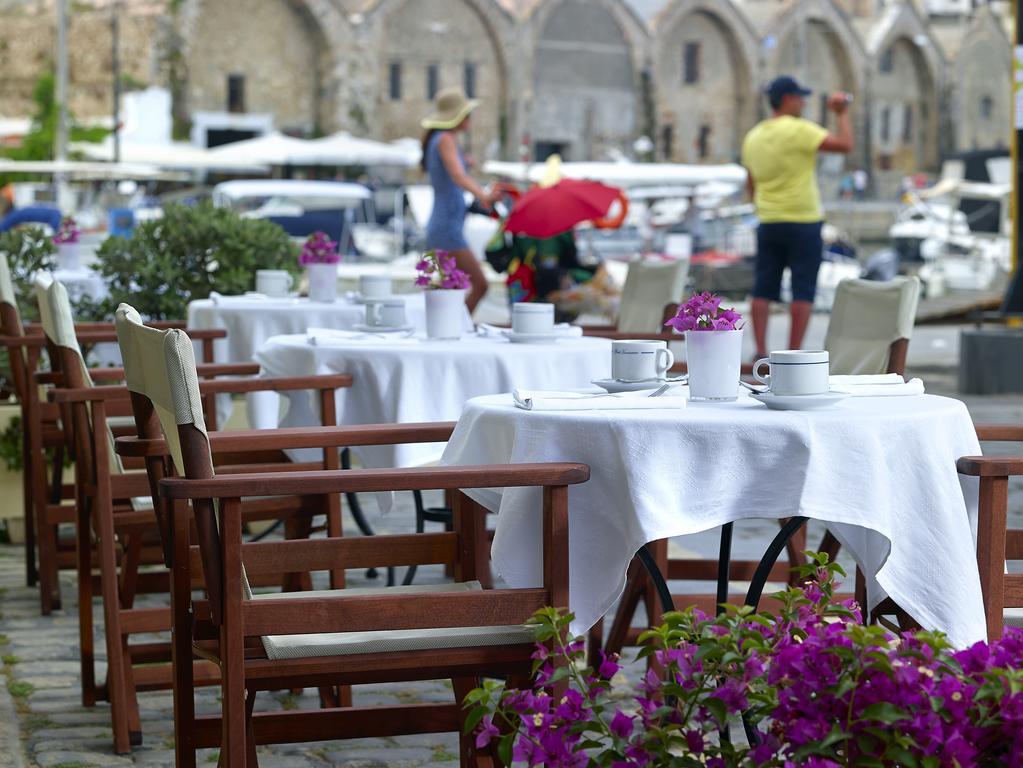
point(42, 722)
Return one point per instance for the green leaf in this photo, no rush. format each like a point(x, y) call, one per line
point(883, 712)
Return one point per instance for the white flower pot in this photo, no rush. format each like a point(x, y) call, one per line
point(322, 282)
point(714, 359)
point(445, 313)
point(69, 255)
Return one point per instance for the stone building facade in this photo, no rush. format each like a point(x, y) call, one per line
point(582, 77)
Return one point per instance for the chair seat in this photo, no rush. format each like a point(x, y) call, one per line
point(389, 641)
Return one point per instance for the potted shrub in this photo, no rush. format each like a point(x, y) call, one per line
point(445, 286)
point(713, 347)
point(810, 686)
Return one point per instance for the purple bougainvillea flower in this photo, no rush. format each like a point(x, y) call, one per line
point(622, 725)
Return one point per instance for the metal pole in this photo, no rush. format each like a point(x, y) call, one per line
point(61, 96)
point(115, 66)
point(1016, 144)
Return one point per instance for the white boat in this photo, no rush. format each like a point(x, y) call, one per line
point(954, 255)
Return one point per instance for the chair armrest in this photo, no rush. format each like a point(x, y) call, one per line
point(1000, 432)
point(990, 466)
point(203, 369)
point(48, 377)
point(34, 341)
point(88, 394)
point(241, 440)
point(324, 482)
point(282, 384)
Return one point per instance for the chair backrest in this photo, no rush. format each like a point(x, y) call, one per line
point(159, 369)
point(10, 325)
point(867, 318)
point(649, 286)
point(59, 327)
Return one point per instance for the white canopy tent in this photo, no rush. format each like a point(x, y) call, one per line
point(88, 169)
point(271, 149)
point(344, 149)
point(176, 155)
point(625, 174)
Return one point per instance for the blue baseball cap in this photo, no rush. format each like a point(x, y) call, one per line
point(783, 86)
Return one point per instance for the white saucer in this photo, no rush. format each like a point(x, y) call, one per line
point(383, 328)
point(532, 338)
point(614, 386)
point(799, 402)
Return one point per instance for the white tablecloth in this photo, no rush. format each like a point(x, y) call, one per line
point(422, 380)
point(251, 321)
point(881, 471)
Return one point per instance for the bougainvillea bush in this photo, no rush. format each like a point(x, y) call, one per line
point(816, 687)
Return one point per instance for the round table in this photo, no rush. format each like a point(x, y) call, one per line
point(879, 470)
point(250, 321)
point(403, 380)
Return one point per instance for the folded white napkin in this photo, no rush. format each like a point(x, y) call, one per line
point(868, 378)
point(562, 329)
point(534, 400)
point(895, 389)
point(219, 298)
point(323, 337)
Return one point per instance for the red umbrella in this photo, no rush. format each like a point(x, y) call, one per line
point(549, 211)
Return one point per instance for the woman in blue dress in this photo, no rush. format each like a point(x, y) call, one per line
point(445, 164)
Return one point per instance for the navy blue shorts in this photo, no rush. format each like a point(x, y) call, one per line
point(787, 244)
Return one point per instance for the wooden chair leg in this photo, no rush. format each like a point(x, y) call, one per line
point(48, 573)
point(635, 585)
point(795, 547)
point(131, 701)
point(830, 546)
point(252, 760)
point(181, 644)
point(116, 678)
point(466, 741)
point(86, 639)
point(594, 643)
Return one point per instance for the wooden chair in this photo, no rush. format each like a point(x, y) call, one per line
point(649, 286)
point(337, 637)
point(114, 508)
point(996, 542)
point(869, 332)
point(45, 444)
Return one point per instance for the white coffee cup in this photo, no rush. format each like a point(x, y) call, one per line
point(273, 282)
point(374, 286)
point(640, 360)
point(795, 372)
point(528, 317)
point(385, 313)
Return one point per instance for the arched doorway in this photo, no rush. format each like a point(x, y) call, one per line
point(705, 88)
point(904, 120)
point(584, 85)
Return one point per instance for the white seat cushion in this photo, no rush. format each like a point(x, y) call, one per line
point(388, 641)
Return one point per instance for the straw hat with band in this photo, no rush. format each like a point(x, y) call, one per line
point(450, 109)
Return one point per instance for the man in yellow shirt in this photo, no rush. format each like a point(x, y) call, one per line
point(780, 155)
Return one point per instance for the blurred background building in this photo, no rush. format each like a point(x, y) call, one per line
point(585, 78)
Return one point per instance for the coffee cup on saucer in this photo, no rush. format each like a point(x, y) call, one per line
point(530, 318)
point(274, 283)
point(385, 313)
point(374, 286)
point(794, 372)
point(640, 360)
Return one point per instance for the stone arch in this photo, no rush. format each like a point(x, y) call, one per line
point(724, 79)
point(297, 84)
point(835, 59)
point(586, 83)
point(464, 40)
point(904, 106)
point(982, 86)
